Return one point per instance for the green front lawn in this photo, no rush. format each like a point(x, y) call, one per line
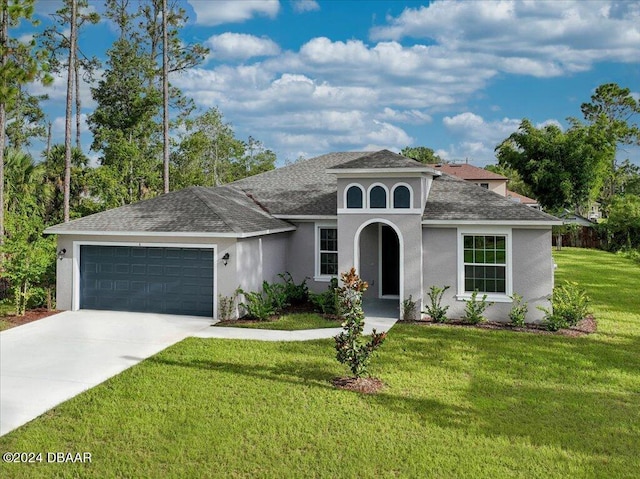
point(458, 402)
point(287, 322)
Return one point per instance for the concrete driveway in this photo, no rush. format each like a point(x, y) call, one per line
point(46, 362)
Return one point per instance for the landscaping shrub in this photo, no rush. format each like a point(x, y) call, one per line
point(350, 348)
point(569, 306)
point(518, 313)
point(474, 309)
point(435, 310)
point(295, 293)
point(257, 305)
point(409, 309)
point(227, 306)
point(276, 295)
point(327, 302)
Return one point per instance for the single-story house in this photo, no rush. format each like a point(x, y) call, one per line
point(403, 225)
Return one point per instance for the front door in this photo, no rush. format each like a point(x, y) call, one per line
point(390, 262)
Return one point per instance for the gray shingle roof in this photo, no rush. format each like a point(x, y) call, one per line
point(451, 198)
point(303, 188)
point(306, 188)
point(382, 159)
point(224, 210)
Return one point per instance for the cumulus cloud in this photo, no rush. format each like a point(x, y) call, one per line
point(232, 11)
point(301, 6)
point(542, 39)
point(477, 138)
point(240, 46)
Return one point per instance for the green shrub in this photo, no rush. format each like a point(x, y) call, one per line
point(257, 305)
point(569, 306)
point(435, 310)
point(295, 293)
point(518, 313)
point(409, 309)
point(327, 302)
point(276, 295)
point(350, 347)
point(474, 309)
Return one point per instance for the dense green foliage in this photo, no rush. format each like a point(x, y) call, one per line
point(422, 154)
point(569, 304)
point(458, 402)
point(519, 310)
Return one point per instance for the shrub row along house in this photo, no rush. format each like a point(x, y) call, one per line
point(403, 225)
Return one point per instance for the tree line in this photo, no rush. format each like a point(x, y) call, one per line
point(148, 136)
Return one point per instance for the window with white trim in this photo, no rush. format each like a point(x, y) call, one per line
point(485, 263)
point(377, 197)
point(401, 197)
point(328, 251)
point(354, 197)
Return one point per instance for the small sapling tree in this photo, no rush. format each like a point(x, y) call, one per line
point(351, 348)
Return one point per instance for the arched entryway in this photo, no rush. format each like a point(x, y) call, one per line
point(379, 256)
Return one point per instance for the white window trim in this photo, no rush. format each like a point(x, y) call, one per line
point(364, 197)
point(486, 230)
point(393, 190)
point(386, 190)
point(316, 252)
point(75, 294)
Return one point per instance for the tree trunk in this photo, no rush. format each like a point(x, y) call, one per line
point(4, 33)
point(69, 110)
point(76, 69)
point(49, 125)
point(165, 96)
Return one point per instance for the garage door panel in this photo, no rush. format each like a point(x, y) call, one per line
point(148, 279)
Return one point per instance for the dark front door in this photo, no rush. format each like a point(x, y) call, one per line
point(390, 256)
point(147, 279)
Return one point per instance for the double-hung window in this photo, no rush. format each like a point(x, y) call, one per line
point(485, 263)
point(327, 263)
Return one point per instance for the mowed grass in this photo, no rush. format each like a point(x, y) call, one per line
point(458, 402)
point(288, 322)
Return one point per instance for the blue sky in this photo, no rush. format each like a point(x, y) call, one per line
point(309, 77)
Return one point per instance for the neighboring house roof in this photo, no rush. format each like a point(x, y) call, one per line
point(468, 172)
point(452, 198)
point(568, 217)
point(518, 198)
point(252, 205)
point(196, 209)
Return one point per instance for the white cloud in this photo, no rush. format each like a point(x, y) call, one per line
point(229, 46)
point(232, 11)
point(543, 39)
point(415, 117)
point(58, 125)
point(477, 138)
point(301, 6)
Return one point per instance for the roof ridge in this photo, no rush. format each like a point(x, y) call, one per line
point(200, 192)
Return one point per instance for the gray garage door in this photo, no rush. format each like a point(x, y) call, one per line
point(147, 279)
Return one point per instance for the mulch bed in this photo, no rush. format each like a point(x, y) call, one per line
point(587, 326)
point(30, 315)
point(361, 385)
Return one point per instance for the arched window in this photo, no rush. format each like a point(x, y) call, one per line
point(354, 197)
point(377, 197)
point(401, 197)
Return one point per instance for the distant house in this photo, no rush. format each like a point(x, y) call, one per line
point(486, 179)
point(403, 225)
